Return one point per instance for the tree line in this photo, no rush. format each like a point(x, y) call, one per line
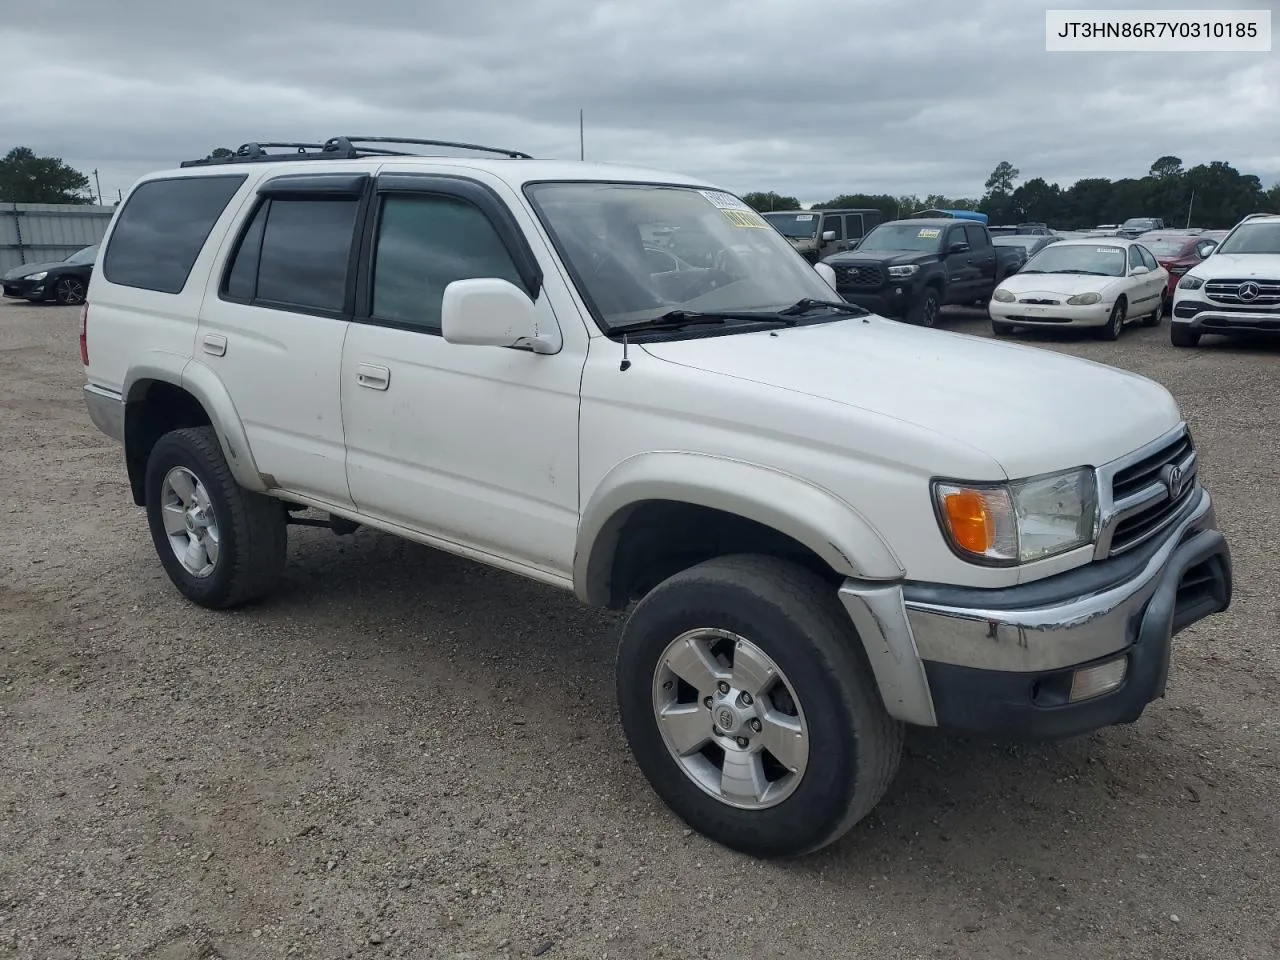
point(1210, 195)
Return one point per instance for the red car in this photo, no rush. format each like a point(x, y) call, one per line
point(1179, 252)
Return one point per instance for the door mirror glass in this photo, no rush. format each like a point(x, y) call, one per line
point(490, 312)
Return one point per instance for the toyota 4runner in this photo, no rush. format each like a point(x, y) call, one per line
point(830, 524)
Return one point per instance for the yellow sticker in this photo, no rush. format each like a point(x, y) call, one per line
point(929, 233)
point(745, 218)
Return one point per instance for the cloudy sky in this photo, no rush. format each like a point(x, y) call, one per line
point(808, 97)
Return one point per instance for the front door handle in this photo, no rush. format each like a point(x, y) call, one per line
point(373, 376)
point(215, 343)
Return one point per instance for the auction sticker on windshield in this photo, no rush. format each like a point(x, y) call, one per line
point(745, 218)
point(725, 201)
point(929, 233)
point(804, 216)
point(1114, 251)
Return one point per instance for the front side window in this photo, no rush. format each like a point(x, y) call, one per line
point(424, 244)
point(731, 259)
point(833, 225)
point(162, 229)
point(1148, 260)
point(1135, 257)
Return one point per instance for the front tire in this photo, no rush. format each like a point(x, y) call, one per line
point(924, 312)
point(1115, 323)
point(1001, 329)
point(795, 746)
point(1181, 335)
point(220, 544)
point(69, 291)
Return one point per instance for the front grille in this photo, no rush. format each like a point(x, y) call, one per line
point(859, 276)
point(1253, 293)
point(1142, 502)
point(1043, 303)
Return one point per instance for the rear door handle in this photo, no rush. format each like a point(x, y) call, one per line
point(373, 376)
point(215, 343)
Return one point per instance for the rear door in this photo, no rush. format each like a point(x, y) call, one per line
point(982, 256)
point(274, 320)
point(961, 273)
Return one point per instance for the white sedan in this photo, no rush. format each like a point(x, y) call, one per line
point(1101, 283)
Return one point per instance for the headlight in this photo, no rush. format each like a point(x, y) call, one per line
point(1004, 296)
point(905, 270)
point(37, 276)
point(1190, 283)
point(1083, 299)
point(1003, 524)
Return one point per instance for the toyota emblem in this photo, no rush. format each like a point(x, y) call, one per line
point(1248, 291)
point(1173, 480)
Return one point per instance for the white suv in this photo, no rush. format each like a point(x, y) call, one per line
point(626, 384)
point(1235, 289)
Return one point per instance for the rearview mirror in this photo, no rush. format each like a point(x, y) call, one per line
point(1138, 271)
point(828, 235)
point(490, 312)
point(827, 273)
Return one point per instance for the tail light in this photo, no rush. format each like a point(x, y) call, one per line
point(84, 336)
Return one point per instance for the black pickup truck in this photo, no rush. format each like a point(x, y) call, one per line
point(907, 269)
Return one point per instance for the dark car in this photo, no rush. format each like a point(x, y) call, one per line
point(62, 281)
point(1179, 251)
point(1026, 244)
point(1135, 227)
point(908, 269)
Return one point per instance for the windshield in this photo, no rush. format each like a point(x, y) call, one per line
point(83, 256)
point(1087, 258)
point(1167, 247)
point(1142, 223)
point(902, 236)
point(1253, 238)
point(799, 225)
point(729, 258)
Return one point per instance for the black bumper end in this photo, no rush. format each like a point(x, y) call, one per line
point(1195, 584)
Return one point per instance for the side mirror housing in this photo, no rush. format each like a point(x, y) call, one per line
point(1138, 271)
point(827, 273)
point(960, 247)
point(1207, 248)
point(828, 235)
point(490, 312)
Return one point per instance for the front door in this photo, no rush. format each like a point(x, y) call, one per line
point(474, 445)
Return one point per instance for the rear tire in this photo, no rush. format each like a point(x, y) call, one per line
point(1181, 335)
point(220, 544)
point(749, 617)
point(1155, 319)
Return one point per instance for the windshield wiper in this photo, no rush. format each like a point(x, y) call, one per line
point(679, 319)
point(1084, 273)
point(808, 305)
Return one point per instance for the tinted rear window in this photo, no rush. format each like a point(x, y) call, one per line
point(162, 228)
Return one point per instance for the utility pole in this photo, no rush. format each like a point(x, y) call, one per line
point(99, 184)
point(1189, 206)
point(582, 144)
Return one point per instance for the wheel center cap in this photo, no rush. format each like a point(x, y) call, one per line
point(727, 719)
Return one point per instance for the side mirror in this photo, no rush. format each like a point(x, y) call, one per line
point(960, 247)
point(490, 312)
point(826, 272)
point(1207, 248)
point(1138, 271)
point(828, 235)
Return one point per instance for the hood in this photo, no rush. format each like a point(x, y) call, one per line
point(880, 257)
point(1030, 410)
point(1063, 284)
point(1242, 265)
point(17, 273)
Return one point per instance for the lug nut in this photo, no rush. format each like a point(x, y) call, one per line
point(743, 742)
point(746, 699)
point(668, 685)
point(755, 725)
point(722, 687)
point(706, 702)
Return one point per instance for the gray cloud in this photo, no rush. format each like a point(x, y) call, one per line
point(812, 99)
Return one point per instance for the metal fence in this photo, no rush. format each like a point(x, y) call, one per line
point(42, 232)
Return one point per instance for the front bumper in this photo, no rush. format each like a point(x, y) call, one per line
point(1059, 315)
point(1001, 662)
point(1205, 317)
point(25, 289)
point(891, 300)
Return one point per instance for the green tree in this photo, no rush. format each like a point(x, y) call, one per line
point(219, 152)
point(27, 178)
point(1166, 168)
point(1000, 183)
point(764, 202)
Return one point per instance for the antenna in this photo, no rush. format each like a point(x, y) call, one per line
point(582, 144)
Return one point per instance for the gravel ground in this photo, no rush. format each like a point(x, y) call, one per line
point(403, 754)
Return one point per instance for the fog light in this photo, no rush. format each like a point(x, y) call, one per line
point(1095, 681)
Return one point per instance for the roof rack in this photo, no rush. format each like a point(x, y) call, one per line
point(341, 148)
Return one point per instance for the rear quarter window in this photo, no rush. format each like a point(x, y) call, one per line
point(162, 229)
